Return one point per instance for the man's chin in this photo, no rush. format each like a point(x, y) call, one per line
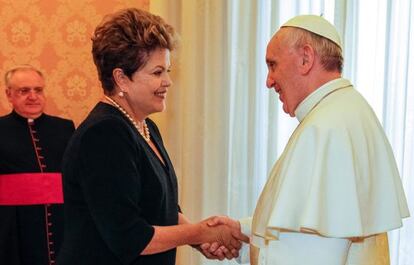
point(31, 115)
point(288, 113)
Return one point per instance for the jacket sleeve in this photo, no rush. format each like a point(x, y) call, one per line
point(111, 182)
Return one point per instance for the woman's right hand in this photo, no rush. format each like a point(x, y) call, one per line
point(225, 236)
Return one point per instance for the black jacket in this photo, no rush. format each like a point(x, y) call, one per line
point(115, 190)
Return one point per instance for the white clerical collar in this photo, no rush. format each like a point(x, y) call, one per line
point(316, 96)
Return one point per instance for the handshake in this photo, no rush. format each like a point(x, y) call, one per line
point(222, 236)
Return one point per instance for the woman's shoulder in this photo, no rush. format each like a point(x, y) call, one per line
point(103, 120)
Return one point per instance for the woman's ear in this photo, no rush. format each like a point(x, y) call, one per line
point(308, 58)
point(119, 78)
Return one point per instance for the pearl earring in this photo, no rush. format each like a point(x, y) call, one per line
point(121, 94)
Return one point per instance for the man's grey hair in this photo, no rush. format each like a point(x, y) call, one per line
point(23, 67)
point(329, 52)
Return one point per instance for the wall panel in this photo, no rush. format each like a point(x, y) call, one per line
point(54, 36)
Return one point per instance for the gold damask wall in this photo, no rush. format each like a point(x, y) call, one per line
point(54, 36)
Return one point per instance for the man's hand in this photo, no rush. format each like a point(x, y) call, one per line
point(221, 248)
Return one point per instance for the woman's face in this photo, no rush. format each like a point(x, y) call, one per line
point(147, 91)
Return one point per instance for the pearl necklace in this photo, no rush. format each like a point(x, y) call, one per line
point(145, 133)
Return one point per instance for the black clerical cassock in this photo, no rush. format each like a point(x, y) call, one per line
point(31, 199)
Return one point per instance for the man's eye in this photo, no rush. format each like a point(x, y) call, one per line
point(24, 90)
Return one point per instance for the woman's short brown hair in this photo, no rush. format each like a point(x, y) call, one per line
point(125, 40)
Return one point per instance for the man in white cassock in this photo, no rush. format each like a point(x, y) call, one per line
point(335, 191)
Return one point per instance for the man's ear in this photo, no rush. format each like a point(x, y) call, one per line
point(308, 58)
point(8, 92)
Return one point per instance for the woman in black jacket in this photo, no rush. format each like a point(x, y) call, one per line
point(120, 189)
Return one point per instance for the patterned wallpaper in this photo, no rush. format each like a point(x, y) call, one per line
point(54, 36)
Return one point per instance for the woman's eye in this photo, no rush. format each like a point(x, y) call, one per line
point(157, 73)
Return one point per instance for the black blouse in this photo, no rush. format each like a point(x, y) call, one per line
point(115, 190)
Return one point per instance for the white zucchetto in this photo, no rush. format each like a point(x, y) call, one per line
point(317, 25)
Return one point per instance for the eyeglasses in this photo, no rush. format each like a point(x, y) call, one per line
point(24, 91)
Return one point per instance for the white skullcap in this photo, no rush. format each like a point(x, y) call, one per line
point(317, 25)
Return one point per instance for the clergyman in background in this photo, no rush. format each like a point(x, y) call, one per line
point(31, 150)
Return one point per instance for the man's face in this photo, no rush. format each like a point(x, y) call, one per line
point(283, 74)
point(25, 93)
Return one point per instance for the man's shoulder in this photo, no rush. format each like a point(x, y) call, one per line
point(58, 121)
point(345, 108)
point(6, 119)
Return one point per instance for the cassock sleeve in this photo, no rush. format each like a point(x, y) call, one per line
point(111, 183)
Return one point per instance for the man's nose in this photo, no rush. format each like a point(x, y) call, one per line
point(269, 82)
point(33, 94)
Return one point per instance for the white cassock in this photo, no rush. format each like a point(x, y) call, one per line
point(336, 179)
